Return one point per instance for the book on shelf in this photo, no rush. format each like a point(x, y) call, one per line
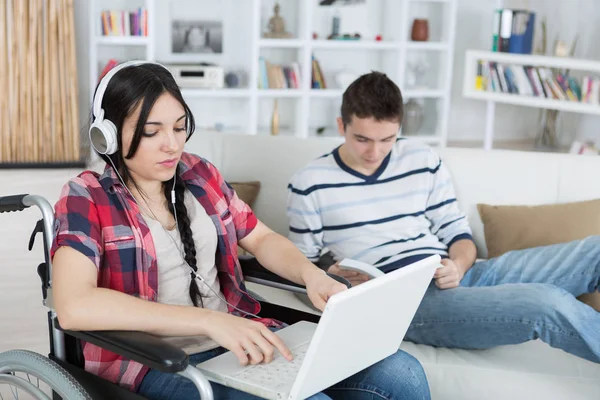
point(537, 82)
point(512, 31)
point(124, 23)
point(278, 76)
point(107, 67)
point(318, 79)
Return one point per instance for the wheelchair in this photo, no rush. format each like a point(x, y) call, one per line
point(61, 374)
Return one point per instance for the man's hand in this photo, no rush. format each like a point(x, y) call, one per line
point(355, 278)
point(449, 276)
point(321, 287)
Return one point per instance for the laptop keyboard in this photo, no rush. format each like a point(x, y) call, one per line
point(279, 374)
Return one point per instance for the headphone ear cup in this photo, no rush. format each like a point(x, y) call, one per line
point(103, 136)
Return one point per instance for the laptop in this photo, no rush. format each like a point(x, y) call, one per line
point(372, 318)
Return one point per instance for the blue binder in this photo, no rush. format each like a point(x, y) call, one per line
point(521, 38)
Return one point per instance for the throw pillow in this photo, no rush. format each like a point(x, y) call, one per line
point(509, 228)
point(247, 192)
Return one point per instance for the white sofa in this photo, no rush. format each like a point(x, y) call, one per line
point(531, 370)
point(526, 371)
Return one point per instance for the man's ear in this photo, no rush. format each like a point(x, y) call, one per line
point(340, 125)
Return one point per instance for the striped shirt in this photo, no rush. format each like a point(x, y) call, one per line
point(405, 211)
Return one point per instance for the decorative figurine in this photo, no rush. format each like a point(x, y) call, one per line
point(276, 26)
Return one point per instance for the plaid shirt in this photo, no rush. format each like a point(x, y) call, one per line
point(98, 217)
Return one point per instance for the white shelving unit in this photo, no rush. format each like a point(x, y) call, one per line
point(304, 109)
point(102, 48)
point(469, 90)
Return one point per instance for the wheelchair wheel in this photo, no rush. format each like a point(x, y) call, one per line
point(25, 372)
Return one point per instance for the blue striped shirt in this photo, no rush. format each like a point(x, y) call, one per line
point(405, 211)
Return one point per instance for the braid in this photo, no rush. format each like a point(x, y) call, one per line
point(185, 232)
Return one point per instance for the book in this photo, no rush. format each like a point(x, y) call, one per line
point(496, 29)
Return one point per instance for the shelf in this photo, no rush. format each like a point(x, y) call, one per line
point(429, 139)
point(422, 93)
point(354, 44)
point(430, 1)
point(281, 43)
point(531, 101)
point(123, 40)
point(533, 60)
point(222, 93)
point(279, 93)
point(430, 46)
point(327, 93)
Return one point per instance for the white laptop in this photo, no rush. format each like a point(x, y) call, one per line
point(359, 327)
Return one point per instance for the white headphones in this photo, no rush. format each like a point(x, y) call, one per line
point(103, 132)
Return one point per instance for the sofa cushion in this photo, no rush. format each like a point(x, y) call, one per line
point(509, 228)
point(247, 191)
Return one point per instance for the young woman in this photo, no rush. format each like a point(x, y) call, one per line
point(129, 254)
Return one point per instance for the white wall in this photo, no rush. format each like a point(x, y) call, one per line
point(474, 19)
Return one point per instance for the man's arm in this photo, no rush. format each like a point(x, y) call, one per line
point(463, 253)
point(304, 218)
point(450, 225)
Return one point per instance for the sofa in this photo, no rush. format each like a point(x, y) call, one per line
point(530, 370)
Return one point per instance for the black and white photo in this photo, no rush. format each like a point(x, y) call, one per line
point(196, 37)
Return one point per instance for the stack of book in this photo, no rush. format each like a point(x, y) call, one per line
point(318, 79)
point(278, 76)
point(537, 81)
point(513, 31)
point(124, 23)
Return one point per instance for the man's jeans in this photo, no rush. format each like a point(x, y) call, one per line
point(519, 296)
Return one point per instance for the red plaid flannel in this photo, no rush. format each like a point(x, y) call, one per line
point(98, 217)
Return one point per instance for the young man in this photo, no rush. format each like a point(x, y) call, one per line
point(390, 201)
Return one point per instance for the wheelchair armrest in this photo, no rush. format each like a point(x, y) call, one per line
point(142, 347)
point(254, 272)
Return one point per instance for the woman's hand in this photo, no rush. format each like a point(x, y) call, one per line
point(320, 287)
point(250, 341)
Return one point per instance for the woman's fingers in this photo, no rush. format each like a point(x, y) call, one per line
point(254, 354)
point(265, 347)
point(240, 354)
point(277, 342)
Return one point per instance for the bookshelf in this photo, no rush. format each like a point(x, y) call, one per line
point(576, 66)
point(302, 110)
point(123, 48)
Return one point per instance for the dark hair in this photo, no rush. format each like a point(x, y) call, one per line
point(145, 83)
point(372, 95)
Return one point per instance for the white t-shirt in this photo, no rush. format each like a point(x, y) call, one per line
point(173, 272)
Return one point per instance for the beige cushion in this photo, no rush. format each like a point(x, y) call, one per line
point(509, 228)
point(247, 191)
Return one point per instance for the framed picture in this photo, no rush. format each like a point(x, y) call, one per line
point(196, 37)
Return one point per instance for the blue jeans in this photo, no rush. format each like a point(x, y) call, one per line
point(400, 376)
point(519, 296)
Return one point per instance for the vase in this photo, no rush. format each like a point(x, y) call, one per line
point(414, 113)
point(275, 119)
point(547, 134)
point(420, 30)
